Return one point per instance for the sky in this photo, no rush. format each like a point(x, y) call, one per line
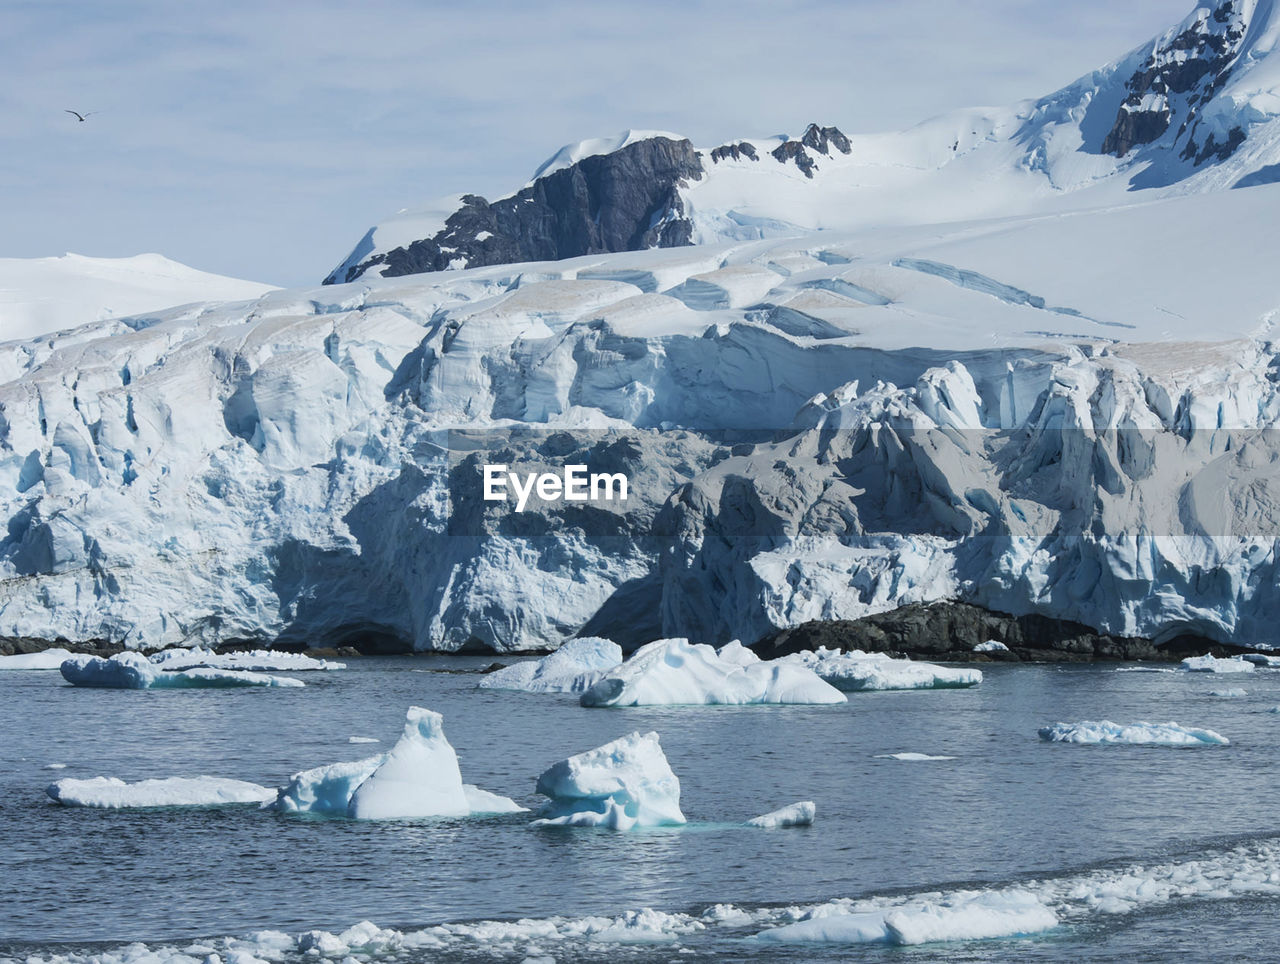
point(262, 138)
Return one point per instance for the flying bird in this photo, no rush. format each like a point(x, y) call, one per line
point(79, 116)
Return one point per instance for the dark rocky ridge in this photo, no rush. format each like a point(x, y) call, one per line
point(950, 630)
point(623, 201)
point(1179, 77)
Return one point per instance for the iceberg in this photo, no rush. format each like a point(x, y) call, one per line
point(624, 784)
point(1211, 664)
point(47, 659)
point(796, 815)
point(857, 671)
point(675, 672)
point(418, 777)
point(1143, 734)
point(911, 757)
point(1231, 692)
point(1262, 659)
point(113, 794)
point(965, 917)
point(133, 671)
point(572, 668)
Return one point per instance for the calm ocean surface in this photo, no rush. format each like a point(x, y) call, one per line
point(1008, 809)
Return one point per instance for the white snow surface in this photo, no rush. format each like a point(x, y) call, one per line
point(45, 659)
point(856, 670)
point(113, 794)
point(43, 295)
point(624, 784)
point(793, 815)
point(675, 672)
point(572, 668)
point(133, 671)
point(1143, 734)
point(418, 777)
point(1249, 870)
point(1212, 664)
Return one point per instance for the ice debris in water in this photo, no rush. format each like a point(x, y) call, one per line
point(624, 784)
point(857, 670)
point(256, 661)
point(1011, 913)
point(114, 794)
point(677, 672)
point(1151, 734)
point(133, 671)
point(570, 669)
point(418, 777)
point(991, 646)
point(911, 757)
point(1211, 664)
point(1231, 692)
point(796, 815)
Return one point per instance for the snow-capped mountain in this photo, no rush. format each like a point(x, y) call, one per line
point(1068, 410)
point(1195, 109)
point(42, 295)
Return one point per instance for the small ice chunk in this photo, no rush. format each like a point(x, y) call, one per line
point(856, 671)
point(624, 784)
point(418, 777)
point(1150, 734)
point(114, 794)
point(363, 739)
point(1231, 692)
point(570, 669)
point(796, 815)
point(47, 659)
point(966, 916)
point(54, 766)
point(1211, 664)
point(991, 646)
point(911, 757)
point(677, 672)
point(133, 671)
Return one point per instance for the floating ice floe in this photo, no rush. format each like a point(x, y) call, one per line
point(677, 672)
point(363, 739)
point(1232, 692)
point(133, 671)
point(972, 916)
point(624, 784)
point(572, 668)
point(856, 671)
point(911, 757)
point(257, 661)
point(796, 815)
point(47, 659)
point(1262, 659)
point(1147, 734)
point(418, 777)
point(991, 646)
point(1211, 664)
point(111, 793)
point(54, 766)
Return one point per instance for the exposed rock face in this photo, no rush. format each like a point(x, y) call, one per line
point(735, 151)
point(623, 201)
point(1181, 74)
point(820, 140)
point(954, 628)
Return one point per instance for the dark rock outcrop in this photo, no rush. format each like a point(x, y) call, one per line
point(736, 151)
point(624, 201)
point(1175, 81)
point(817, 139)
point(951, 630)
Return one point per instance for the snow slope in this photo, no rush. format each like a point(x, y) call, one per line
point(1196, 109)
point(43, 295)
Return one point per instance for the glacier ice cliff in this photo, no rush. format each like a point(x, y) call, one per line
point(1033, 415)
